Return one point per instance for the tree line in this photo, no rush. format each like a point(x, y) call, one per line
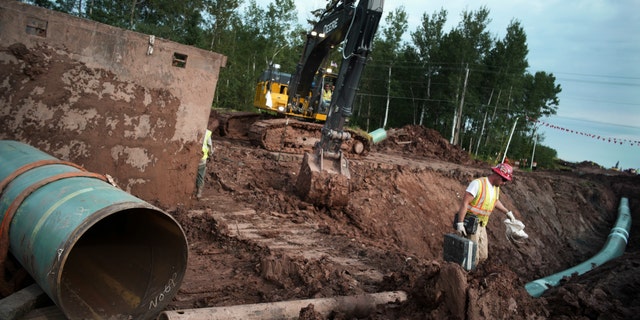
point(468, 84)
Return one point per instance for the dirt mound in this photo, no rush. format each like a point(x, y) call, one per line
point(419, 141)
point(610, 291)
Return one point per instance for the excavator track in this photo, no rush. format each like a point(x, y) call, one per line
point(236, 125)
point(298, 137)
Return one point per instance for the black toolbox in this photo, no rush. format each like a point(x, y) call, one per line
point(460, 250)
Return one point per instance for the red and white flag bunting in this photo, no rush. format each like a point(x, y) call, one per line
point(590, 135)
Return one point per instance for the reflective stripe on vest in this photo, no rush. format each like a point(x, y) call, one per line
point(205, 144)
point(482, 205)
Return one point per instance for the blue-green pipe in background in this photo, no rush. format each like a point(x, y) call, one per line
point(378, 135)
point(613, 248)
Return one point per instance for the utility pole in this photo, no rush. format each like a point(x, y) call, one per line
point(424, 106)
point(453, 127)
point(456, 137)
point(493, 117)
point(509, 142)
point(386, 113)
point(368, 115)
point(484, 122)
point(481, 131)
point(533, 153)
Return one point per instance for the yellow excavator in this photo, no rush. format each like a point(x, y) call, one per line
point(272, 95)
point(288, 123)
point(304, 123)
point(295, 120)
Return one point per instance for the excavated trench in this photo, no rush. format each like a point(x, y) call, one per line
point(390, 235)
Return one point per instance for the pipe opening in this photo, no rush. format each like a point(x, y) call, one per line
point(127, 263)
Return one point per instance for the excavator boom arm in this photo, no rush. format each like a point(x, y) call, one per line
point(328, 32)
point(324, 176)
point(358, 45)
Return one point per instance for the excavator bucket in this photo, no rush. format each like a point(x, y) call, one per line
point(323, 181)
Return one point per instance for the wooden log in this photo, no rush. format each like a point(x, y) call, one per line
point(353, 306)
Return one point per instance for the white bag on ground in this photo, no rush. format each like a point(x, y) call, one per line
point(515, 229)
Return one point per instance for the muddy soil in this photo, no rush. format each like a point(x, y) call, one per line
point(253, 240)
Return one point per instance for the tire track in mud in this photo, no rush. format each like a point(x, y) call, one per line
point(288, 240)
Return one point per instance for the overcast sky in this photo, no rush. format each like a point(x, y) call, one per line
point(593, 49)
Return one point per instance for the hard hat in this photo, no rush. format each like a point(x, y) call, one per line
point(504, 170)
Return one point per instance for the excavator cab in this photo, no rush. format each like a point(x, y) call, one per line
point(272, 95)
point(272, 91)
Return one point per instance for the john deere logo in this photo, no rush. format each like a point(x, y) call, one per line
point(330, 26)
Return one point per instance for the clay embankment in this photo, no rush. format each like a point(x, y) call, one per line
point(277, 247)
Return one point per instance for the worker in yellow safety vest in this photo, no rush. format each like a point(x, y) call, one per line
point(326, 98)
point(481, 197)
point(207, 151)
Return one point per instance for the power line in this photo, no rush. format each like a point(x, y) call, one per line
point(417, 66)
point(615, 140)
point(406, 64)
point(599, 76)
point(602, 101)
point(602, 82)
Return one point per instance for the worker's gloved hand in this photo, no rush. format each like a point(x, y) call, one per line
point(515, 229)
point(460, 229)
point(510, 215)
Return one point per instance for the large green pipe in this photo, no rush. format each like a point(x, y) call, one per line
point(613, 248)
point(97, 251)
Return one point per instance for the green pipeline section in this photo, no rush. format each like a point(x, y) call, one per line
point(378, 135)
point(613, 248)
point(97, 251)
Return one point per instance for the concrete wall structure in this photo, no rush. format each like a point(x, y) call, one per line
point(115, 101)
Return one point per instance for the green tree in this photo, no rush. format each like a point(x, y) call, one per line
point(469, 43)
point(42, 3)
point(427, 40)
point(499, 90)
point(545, 156)
point(257, 39)
point(506, 65)
point(173, 20)
point(118, 13)
point(376, 76)
point(221, 16)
